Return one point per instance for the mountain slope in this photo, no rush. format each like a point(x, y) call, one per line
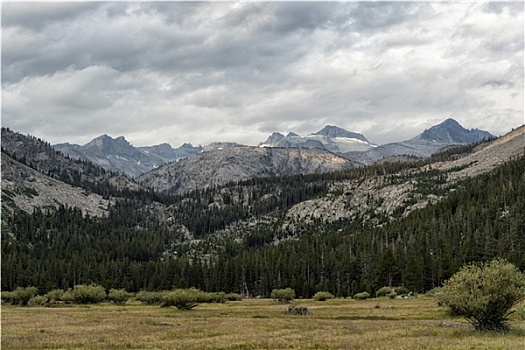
point(487, 155)
point(345, 232)
point(449, 132)
point(118, 155)
point(240, 163)
point(27, 189)
point(36, 175)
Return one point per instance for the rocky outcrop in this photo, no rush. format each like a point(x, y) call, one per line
point(27, 189)
point(488, 155)
point(240, 163)
point(376, 196)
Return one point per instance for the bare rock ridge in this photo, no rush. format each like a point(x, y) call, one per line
point(28, 189)
point(449, 132)
point(118, 155)
point(376, 194)
point(331, 138)
point(32, 176)
point(36, 175)
point(488, 155)
point(240, 163)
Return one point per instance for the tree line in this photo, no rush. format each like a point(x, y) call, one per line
point(133, 249)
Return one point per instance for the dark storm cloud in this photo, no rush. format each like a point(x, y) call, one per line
point(229, 71)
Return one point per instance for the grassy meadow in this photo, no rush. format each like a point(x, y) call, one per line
point(251, 324)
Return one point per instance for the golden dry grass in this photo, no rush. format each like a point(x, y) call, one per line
point(251, 324)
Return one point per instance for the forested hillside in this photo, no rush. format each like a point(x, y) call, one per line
point(395, 224)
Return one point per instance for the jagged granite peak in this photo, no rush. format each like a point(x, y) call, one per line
point(31, 163)
point(168, 154)
point(106, 144)
point(119, 155)
point(272, 140)
point(331, 138)
point(240, 163)
point(446, 133)
point(451, 132)
point(116, 155)
point(333, 132)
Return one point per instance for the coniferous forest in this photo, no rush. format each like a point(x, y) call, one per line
point(478, 219)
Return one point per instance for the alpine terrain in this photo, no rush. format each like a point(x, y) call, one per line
point(252, 219)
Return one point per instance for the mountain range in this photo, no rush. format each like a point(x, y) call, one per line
point(447, 133)
point(67, 221)
point(119, 155)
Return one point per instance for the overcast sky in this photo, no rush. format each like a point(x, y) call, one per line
point(199, 72)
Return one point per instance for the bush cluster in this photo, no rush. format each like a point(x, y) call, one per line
point(322, 296)
point(184, 299)
point(150, 298)
point(362, 296)
point(20, 296)
point(285, 295)
point(484, 293)
point(187, 299)
point(392, 292)
point(93, 293)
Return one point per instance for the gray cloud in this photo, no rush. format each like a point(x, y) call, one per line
point(218, 71)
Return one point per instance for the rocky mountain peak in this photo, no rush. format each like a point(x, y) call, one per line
point(330, 131)
point(451, 132)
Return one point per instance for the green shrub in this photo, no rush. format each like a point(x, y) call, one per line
point(322, 296)
point(362, 295)
point(392, 295)
point(54, 296)
point(402, 290)
point(119, 296)
point(233, 297)
point(10, 297)
point(23, 295)
point(384, 291)
point(434, 291)
point(37, 300)
point(285, 295)
point(520, 312)
point(484, 293)
point(150, 298)
point(68, 296)
point(184, 299)
point(219, 297)
point(88, 294)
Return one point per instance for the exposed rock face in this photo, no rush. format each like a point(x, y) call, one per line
point(449, 132)
point(118, 155)
point(487, 156)
point(240, 163)
point(376, 196)
point(33, 179)
point(28, 189)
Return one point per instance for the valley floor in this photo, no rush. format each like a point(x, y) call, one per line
point(251, 324)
